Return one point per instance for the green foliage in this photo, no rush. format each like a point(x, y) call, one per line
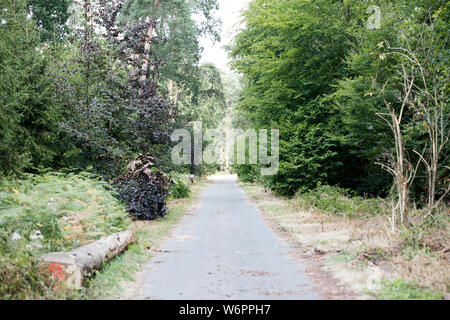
point(51, 17)
point(204, 102)
point(28, 112)
point(49, 204)
point(247, 172)
point(21, 279)
point(291, 53)
point(182, 51)
point(90, 91)
point(308, 154)
point(429, 234)
point(179, 189)
point(404, 290)
point(346, 256)
point(372, 67)
point(47, 213)
point(335, 200)
point(313, 70)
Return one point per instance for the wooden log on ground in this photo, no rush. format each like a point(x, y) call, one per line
point(73, 266)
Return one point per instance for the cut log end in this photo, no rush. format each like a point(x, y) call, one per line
point(73, 266)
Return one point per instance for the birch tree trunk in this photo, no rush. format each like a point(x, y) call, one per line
point(398, 165)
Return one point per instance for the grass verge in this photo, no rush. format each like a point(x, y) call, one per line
point(48, 213)
point(355, 239)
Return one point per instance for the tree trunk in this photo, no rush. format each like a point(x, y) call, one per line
point(171, 97)
point(176, 96)
point(147, 46)
point(71, 267)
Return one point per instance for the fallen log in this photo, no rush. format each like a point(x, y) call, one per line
point(73, 266)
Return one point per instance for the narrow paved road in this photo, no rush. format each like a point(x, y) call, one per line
point(224, 250)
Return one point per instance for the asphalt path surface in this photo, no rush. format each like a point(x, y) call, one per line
point(224, 250)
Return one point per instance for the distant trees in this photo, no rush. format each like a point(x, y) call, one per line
point(51, 17)
point(202, 100)
point(208, 97)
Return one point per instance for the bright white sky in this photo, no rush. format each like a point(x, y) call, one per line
point(229, 12)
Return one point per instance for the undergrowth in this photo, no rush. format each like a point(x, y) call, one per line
point(48, 213)
point(335, 200)
point(405, 290)
point(178, 188)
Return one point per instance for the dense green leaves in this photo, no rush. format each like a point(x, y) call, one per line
point(51, 17)
point(292, 53)
point(315, 71)
point(28, 112)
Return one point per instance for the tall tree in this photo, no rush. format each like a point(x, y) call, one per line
point(110, 115)
point(291, 54)
point(181, 23)
point(28, 112)
point(316, 70)
point(51, 17)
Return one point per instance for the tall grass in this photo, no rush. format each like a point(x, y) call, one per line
point(335, 200)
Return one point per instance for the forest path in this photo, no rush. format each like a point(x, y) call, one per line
point(223, 250)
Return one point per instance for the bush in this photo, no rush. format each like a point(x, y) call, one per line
point(335, 200)
point(144, 190)
point(20, 277)
point(178, 189)
point(429, 233)
point(247, 172)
